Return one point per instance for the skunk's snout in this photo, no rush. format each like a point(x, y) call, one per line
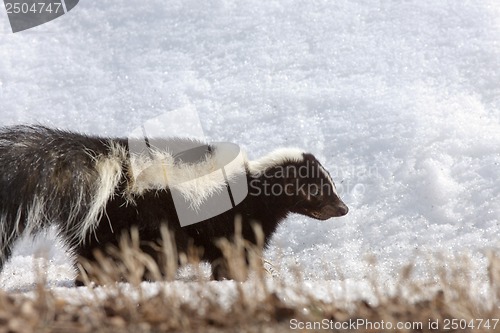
point(342, 209)
point(331, 210)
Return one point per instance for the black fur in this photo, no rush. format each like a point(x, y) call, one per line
point(58, 166)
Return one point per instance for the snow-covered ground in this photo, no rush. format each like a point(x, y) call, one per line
point(399, 100)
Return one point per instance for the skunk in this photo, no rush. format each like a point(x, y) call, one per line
point(94, 189)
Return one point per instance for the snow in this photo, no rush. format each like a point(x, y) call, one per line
point(399, 100)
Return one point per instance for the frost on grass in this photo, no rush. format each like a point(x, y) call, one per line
point(259, 303)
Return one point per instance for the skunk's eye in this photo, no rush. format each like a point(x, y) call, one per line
point(314, 190)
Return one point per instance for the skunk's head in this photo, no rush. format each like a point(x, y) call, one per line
point(312, 190)
point(302, 182)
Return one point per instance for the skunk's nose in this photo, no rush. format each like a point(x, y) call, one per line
point(342, 209)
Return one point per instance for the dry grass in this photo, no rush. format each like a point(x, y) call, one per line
point(255, 307)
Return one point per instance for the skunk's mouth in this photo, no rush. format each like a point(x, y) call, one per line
point(328, 211)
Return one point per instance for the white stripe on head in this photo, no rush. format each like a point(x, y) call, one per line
point(275, 158)
point(327, 175)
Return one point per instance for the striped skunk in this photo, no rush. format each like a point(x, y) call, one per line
point(86, 186)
